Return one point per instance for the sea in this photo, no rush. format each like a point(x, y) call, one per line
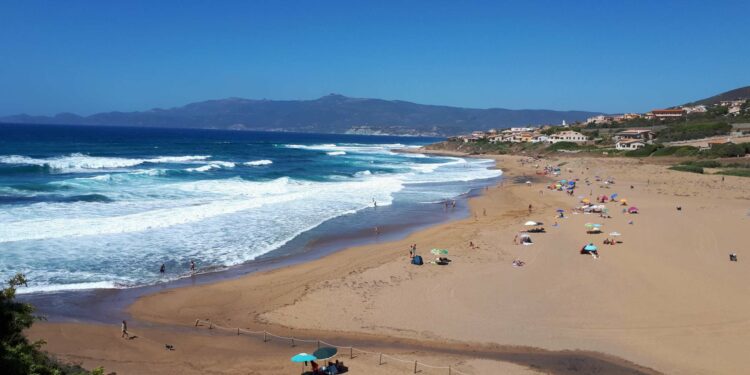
point(84, 207)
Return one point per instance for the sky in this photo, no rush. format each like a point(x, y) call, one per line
point(611, 56)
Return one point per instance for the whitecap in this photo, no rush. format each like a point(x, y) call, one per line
point(255, 163)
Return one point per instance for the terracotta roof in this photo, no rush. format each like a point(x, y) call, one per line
point(655, 111)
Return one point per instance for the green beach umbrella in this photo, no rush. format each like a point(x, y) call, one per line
point(325, 352)
point(439, 251)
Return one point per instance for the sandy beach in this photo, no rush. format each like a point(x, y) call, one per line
point(665, 300)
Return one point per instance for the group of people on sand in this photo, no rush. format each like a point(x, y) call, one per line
point(412, 251)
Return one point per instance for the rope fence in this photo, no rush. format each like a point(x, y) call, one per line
point(293, 341)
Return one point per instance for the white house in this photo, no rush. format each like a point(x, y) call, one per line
point(637, 134)
point(567, 136)
point(629, 144)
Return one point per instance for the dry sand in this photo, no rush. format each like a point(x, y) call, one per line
point(667, 298)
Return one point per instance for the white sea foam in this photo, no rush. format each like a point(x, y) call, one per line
point(363, 173)
point(221, 197)
point(255, 163)
point(221, 222)
point(336, 153)
point(384, 148)
point(78, 162)
point(67, 287)
point(203, 168)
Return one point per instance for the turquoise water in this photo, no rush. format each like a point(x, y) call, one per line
point(103, 207)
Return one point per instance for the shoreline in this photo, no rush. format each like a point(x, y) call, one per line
point(108, 305)
point(644, 310)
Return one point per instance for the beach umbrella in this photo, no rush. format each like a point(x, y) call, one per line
point(590, 247)
point(325, 352)
point(560, 210)
point(563, 181)
point(633, 210)
point(304, 357)
point(439, 251)
point(531, 223)
point(615, 234)
point(588, 225)
point(613, 196)
point(596, 225)
point(585, 200)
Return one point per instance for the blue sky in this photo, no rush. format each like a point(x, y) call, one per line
point(612, 56)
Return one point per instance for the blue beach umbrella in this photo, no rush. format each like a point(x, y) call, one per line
point(590, 247)
point(560, 210)
point(613, 196)
point(303, 357)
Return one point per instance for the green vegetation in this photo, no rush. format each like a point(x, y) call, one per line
point(693, 130)
point(643, 151)
point(680, 151)
point(563, 146)
point(726, 150)
point(687, 168)
point(17, 355)
point(703, 163)
point(741, 172)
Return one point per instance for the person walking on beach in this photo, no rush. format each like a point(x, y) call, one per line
point(162, 269)
point(374, 203)
point(530, 207)
point(125, 330)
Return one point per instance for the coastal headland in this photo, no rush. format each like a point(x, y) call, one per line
point(664, 300)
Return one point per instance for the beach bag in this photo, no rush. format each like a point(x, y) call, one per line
point(417, 260)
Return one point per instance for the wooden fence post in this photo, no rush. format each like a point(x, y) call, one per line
point(196, 322)
point(238, 331)
point(318, 344)
point(292, 341)
point(210, 325)
point(415, 367)
point(380, 361)
point(264, 336)
point(351, 352)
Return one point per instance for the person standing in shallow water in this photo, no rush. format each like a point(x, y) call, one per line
point(192, 266)
point(162, 269)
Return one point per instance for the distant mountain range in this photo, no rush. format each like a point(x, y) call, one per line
point(740, 93)
point(329, 114)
